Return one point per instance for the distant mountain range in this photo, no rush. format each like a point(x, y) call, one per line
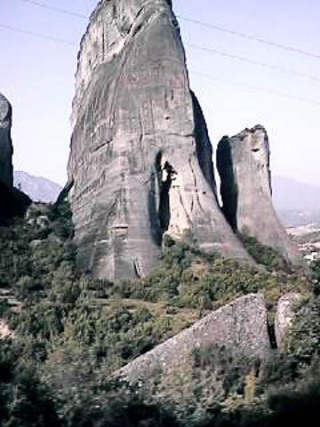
point(289, 194)
point(297, 203)
point(37, 188)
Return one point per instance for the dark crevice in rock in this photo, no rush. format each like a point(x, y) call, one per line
point(153, 202)
point(137, 269)
point(100, 146)
point(229, 190)
point(167, 174)
point(65, 192)
point(196, 185)
point(272, 334)
point(159, 197)
point(203, 144)
point(114, 12)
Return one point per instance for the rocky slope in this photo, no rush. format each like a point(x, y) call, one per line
point(75, 331)
point(244, 165)
point(140, 159)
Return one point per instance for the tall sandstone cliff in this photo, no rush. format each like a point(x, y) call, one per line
point(140, 163)
point(12, 201)
point(244, 165)
point(6, 150)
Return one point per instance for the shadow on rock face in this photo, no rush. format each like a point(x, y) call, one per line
point(12, 203)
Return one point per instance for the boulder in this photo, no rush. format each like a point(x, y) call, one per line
point(240, 326)
point(284, 317)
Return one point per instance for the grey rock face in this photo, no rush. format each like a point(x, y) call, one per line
point(241, 326)
point(140, 159)
point(6, 150)
point(284, 316)
point(244, 165)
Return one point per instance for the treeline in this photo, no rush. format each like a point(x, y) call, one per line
point(70, 332)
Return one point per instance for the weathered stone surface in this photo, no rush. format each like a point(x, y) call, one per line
point(244, 165)
point(284, 316)
point(241, 326)
point(140, 159)
point(6, 150)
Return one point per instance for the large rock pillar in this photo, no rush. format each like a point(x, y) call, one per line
point(244, 165)
point(141, 160)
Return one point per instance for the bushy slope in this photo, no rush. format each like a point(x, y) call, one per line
point(71, 332)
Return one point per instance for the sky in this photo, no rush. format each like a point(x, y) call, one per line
point(37, 76)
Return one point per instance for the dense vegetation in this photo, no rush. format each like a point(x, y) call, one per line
point(70, 332)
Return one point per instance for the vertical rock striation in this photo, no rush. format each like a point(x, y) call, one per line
point(140, 159)
point(6, 150)
point(244, 165)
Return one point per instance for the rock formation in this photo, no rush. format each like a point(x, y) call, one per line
point(141, 160)
point(5, 331)
point(12, 202)
point(244, 166)
point(241, 326)
point(6, 150)
point(284, 316)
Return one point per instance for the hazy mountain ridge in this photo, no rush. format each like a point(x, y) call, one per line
point(297, 203)
point(39, 189)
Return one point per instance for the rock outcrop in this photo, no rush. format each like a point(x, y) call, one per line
point(244, 165)
point(141, 160)
point(12, 201)
point(240, 326)
point(6, 150)
point(284, 316)
point(5, 331)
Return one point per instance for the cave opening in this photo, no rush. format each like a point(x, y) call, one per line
point(167, 174)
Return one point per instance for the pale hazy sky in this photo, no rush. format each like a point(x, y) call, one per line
point(37, 76)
